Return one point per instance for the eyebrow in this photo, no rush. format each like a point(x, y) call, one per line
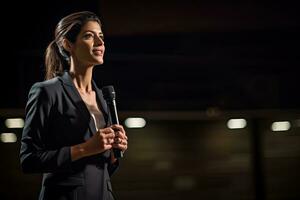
point(100, 33)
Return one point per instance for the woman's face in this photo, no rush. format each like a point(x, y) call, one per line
point(88, 48)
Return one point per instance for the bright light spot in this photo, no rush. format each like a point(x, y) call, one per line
point(236, 123)
point(281, 126)
point(8, 137)
point(135, 122)
point(14, 123)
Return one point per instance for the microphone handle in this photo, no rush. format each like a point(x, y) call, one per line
point(113, 112)
point(114, 120)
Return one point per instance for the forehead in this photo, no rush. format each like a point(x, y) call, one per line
point(91, 26)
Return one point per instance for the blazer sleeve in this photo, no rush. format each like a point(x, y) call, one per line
point(35, 156)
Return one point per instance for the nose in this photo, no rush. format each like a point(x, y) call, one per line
point(98, 40)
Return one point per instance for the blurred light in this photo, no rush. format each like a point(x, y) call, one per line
point(184, 183)
point(162, 165)
point(213, 112)
point(281, 126)
point(135, 122)
point(297, 122)
point(236, 123)
point(8, 137)
point(14, 123)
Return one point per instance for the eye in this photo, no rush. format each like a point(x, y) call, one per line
point(101, 36)
point(88, 36)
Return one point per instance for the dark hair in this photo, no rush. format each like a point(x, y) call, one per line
point(57, 58)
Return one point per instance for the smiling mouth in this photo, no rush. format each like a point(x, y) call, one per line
point(97, 52)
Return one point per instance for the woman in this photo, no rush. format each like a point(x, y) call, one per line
point(67, 134)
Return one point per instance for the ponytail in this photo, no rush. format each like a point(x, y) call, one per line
point(55, 62)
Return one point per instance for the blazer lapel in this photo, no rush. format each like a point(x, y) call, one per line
point(77, 100)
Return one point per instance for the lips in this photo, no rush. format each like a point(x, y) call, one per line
point(98, 52)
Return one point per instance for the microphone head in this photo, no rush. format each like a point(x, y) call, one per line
point(109, 92)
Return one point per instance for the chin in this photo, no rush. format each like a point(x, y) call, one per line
point(99, 62)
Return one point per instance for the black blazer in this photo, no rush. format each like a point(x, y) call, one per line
point(56, 119)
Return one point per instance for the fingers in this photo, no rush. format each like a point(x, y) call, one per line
point(118, 127)
point(120, 143)
point(107, 130)
point(106, 137)
point(119, 131)
point(114, 136)
point(107, 133)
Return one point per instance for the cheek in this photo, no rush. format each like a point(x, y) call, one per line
point(81, 48)
point(84, 52)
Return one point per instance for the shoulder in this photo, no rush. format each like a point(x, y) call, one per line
point(51, 85)
point(47, 84)
point(45, 88)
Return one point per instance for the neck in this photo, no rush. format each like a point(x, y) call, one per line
point(82, 78)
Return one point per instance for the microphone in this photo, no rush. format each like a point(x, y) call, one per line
point(109, 95)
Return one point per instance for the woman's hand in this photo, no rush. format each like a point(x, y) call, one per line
point(120, 140)
point(104, 139)
point(101, 141)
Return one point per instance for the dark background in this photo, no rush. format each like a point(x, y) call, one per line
point(169, 55)
point(186, 67)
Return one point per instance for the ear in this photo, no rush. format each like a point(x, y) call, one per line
point(67, 45)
